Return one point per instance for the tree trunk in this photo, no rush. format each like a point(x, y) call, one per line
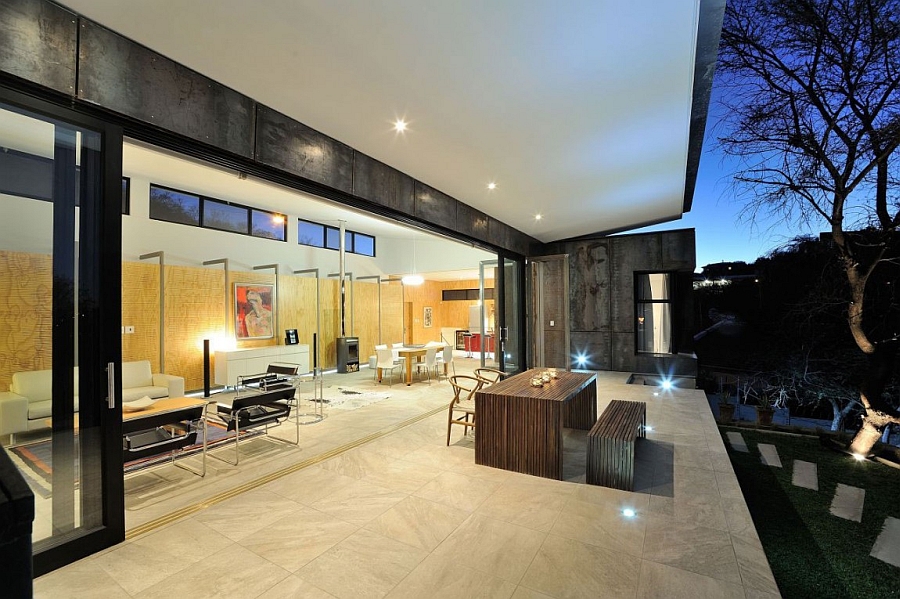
point(878, 413)
point(839, 413)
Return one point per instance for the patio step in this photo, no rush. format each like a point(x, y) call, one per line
point(887, 545)
point(737, 441)
point(769, 455)
point(806, 475)
point(848, 502)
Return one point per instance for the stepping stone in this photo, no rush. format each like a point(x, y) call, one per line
point(737, 441)
point(848, 502)
point(769, 455)
point(887, 546)
point(805, 475)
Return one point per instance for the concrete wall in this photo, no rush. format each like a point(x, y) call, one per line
point(601, 299)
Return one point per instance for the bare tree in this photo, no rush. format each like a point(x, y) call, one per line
point(813, 109)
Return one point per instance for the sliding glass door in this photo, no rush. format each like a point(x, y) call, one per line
point(502, 346)
point(60, 223)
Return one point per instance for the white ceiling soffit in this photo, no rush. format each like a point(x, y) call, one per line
point(579, 110)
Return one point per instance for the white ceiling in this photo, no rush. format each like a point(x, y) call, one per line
point(578, 109)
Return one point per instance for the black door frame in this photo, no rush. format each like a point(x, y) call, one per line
point(500, 298)
point(99, 311)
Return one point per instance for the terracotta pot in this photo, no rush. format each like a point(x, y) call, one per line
point(726, 412)
point(764, 416)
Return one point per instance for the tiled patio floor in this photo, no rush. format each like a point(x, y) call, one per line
point(402, 515)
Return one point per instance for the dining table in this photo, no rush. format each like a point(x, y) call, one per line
point(415, 354)
point(519, 426)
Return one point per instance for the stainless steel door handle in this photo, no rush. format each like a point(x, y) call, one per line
point(111, 385)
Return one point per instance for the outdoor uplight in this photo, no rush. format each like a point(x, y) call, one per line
point(858, 457)
point(628, 512)
point(666, 384)
point(581, 359)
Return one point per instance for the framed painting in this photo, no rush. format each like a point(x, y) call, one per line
point(426, 320)
point(254, 311)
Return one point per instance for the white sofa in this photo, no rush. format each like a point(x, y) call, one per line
point(28, 403)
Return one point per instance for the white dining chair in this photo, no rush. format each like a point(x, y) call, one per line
point(385, 362)
point(429, 364)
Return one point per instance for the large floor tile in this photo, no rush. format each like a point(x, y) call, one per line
point(492, 546)
point(602, 526)
point(82, 580)
point(357, 463)
point(665, 582)
point(294, 587)
point(233, 573)
point(698, 549)
point(243, 515)
point(309, 485)
point(402, 475)
point(359, 502)
point(364, 565)
point(418, 522)
point(566, 568)
point(526, 504)
point(293, 542)
point(458, 490)
point(441, 578)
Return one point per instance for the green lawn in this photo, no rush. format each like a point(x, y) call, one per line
point(812, 553)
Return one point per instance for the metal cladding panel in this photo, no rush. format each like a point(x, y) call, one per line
point(589, 285)
point(124, 76)
point(679, 250)
point(291, 146)
point(381, 184)
point(624, 358)
point(627, 255)
point(595, 346)
point(435, 207)
point(471, 222)
point(553, 292)
point(556, 354)
point(500, 233)
point(38, 42)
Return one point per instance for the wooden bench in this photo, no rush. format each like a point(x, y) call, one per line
point(610, 444)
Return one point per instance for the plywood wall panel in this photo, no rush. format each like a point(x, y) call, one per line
point(25, 314)
point(392, 312)
point(365, 317)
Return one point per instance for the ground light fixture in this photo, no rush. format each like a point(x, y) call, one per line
point(666, 385)
point(858, 457)
point(581, 359)
point(629, 513)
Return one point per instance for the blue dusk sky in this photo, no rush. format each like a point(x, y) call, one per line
point(724, 233)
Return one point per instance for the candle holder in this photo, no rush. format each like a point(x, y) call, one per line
point(553, 373)
point(545, 376)
point(537, 381)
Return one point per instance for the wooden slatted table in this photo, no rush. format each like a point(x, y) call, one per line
point(520, 426)
point(610, 444)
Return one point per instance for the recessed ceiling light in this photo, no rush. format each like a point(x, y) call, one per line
point(492, 186)
point(399, 125)
point(538, 216)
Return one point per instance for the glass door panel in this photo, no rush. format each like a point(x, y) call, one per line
point(485, 329)
point(53, 417)
point(511, 331)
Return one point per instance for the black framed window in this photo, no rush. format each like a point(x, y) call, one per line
point(310, 233)
point(269, 225)
point(225, 217)
point(328, 237)
point(363, 245)
point(332, 238)
point(174, 206)
point(653, 305)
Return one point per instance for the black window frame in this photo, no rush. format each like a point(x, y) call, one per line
point(349, 242)
point(201, 219)
point(669, 300)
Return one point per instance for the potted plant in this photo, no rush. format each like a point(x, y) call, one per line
point(726, 408)
point(765, 411)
